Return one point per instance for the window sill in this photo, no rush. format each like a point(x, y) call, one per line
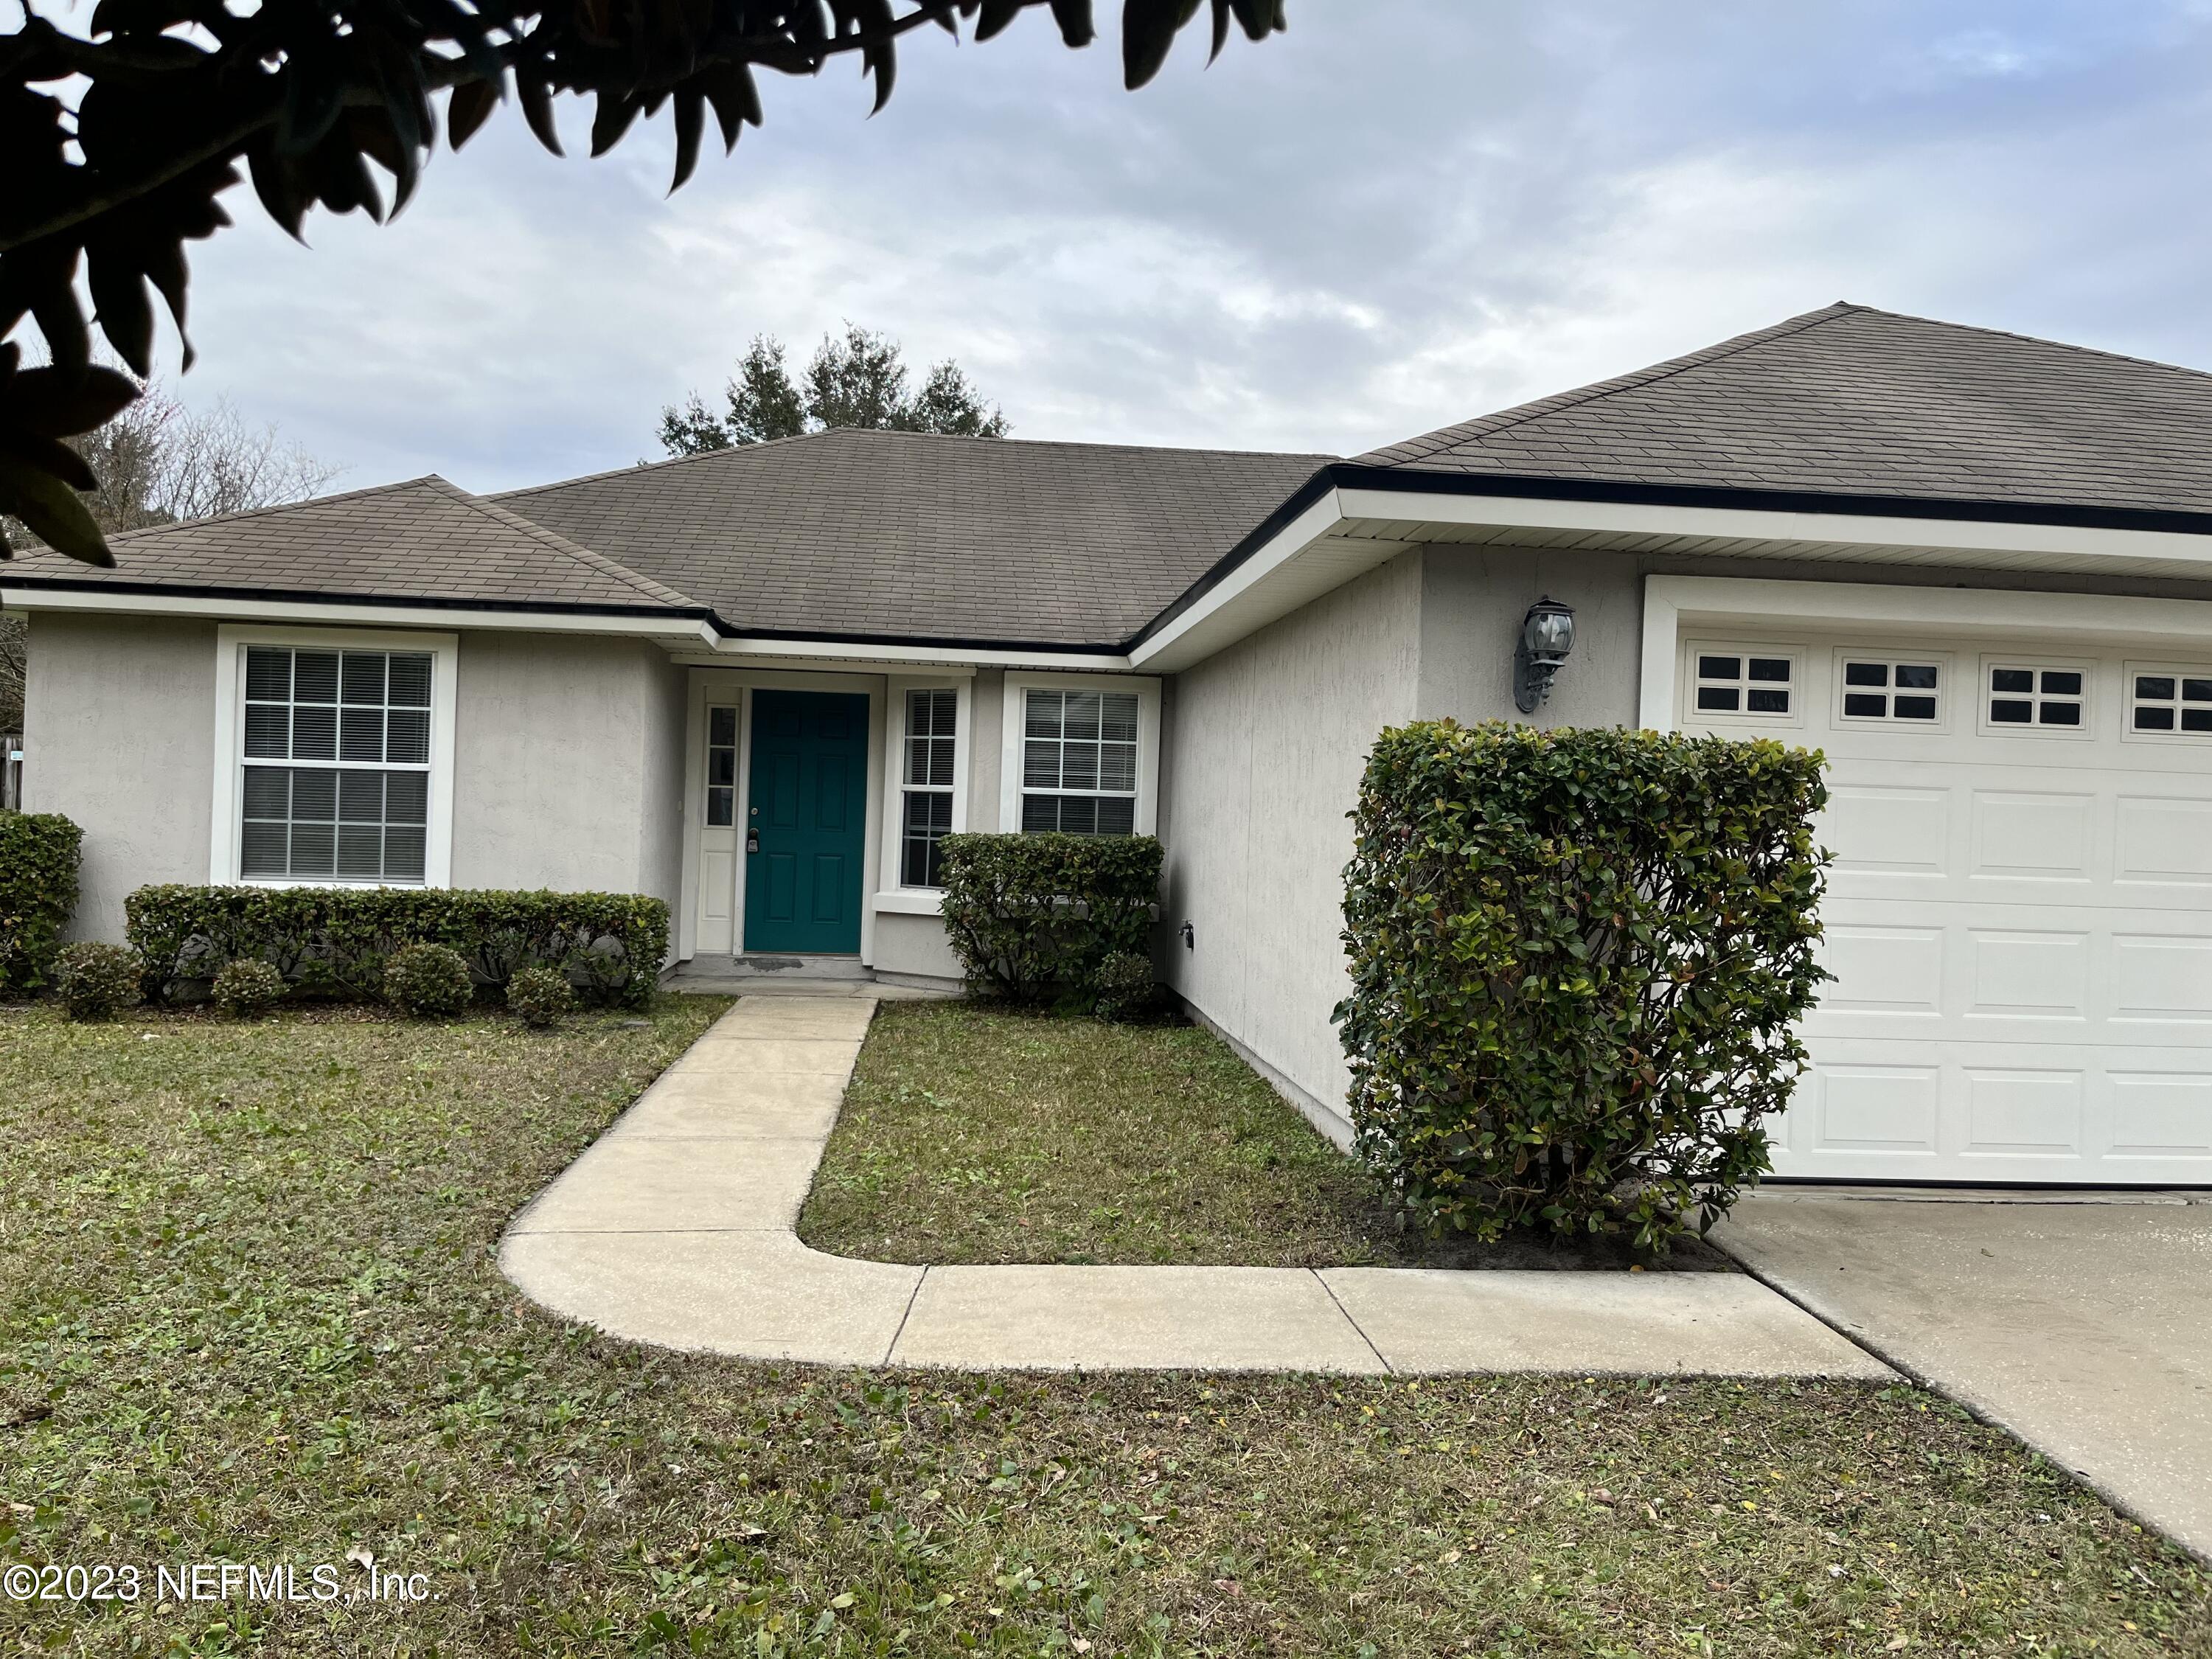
point(910, 902)
point(363, 884)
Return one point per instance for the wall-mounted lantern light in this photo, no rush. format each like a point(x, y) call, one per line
point(1547, 634)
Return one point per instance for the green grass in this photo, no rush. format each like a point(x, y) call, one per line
point(249, 1310)
point(976, 1135)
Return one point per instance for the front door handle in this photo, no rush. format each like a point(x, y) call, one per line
point(752, 841)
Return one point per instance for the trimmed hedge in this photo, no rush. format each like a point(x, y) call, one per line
point(96, 980)
point(541, 997)
point(38, 856)
point(1033, 917)
point(245, 989)
point(1577, 960)
point(334, 942)
point(428, 981)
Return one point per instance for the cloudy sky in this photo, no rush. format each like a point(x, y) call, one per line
point(1398, 214)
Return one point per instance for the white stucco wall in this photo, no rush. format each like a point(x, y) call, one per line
point(1263, 753)
point(569, 758)
point(1472, 602)
point(118, 719)
point(566, 769)
point(913, 947)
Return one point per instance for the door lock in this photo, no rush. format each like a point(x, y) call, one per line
point(752, 841)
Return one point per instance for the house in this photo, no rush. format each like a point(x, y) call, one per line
point(1975, 568)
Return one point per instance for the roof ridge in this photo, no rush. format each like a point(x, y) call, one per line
point(893, 432)
point(658, 591)
point(1485, 426)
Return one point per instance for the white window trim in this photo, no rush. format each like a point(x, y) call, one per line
point(2172, 670)
point(1148, 739)
point(1795, 655)
point(229, 790)
point(893, 893)
point(2092, 711)
point(1892, 655)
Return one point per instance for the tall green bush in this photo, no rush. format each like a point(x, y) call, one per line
point(1031, 917)
point(334, 942)
point(38, 857)
point(1578, 962)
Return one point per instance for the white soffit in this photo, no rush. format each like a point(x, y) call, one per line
point(1349, 531)
point(1405, 516)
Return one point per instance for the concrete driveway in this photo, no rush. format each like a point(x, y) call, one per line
point(2084, 1326)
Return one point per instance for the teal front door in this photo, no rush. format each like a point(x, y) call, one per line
point(805, 822)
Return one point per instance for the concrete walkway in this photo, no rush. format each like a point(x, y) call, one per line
point(675, 1228)
point(2080, 1321)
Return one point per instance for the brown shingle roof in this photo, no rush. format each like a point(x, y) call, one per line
point(1853, 401)
point(912, 535)
point(422, 539)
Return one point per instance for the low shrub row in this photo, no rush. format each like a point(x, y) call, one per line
point(1579, 959)
point(1037, 917)
point(39, 855)
point(341, 943)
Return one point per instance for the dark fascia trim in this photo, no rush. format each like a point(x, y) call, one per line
point(366, 601)
point(805, 636)
point(527, 607)
point(1351, 475)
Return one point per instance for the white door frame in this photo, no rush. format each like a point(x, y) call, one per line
point(722, 685)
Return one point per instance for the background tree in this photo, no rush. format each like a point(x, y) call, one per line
point(858, 380)
point(160, 462)
point(114, 147)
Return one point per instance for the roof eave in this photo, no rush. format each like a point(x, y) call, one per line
point(1261, 579)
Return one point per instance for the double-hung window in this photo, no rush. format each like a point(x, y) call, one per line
point(336, 756)
point(926, 783)
point(1080, 761)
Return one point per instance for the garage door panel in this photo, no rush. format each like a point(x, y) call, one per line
point(1886, 831)
point(1887, 1109)
point(2033, 836)
point(2028, 976)
point(1883, 970)
point(2162, 1114)
point(2019, 923)
point(2162, 978)
point(2165, 842)
point(2023, 1113)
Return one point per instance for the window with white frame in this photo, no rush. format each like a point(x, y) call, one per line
point(1080, 762)
point(2170, 701)
point(2029, 695)
point(335, 753)
point(1732, 681)
point(1888, 689)
point(721, 766)
point(927, 782)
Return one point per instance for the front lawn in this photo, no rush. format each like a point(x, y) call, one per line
point(976, 1135)
point(250, 1312)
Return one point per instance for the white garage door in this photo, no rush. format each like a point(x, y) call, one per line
point(2020, 913)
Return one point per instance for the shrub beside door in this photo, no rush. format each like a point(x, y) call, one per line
point(1037, 917)
point(1577, 961)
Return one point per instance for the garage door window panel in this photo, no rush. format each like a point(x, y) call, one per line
point(1753, 684)
point(1877, 688)
point(2167, 702)
point(2036, 699)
